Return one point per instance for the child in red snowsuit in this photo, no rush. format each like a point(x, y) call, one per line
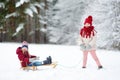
point(30, 60)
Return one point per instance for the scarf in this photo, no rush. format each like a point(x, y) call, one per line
point(87, 31)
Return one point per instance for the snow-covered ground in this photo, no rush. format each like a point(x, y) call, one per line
point(69, 60)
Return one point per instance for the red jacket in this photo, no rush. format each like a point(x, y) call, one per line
point(23, 57)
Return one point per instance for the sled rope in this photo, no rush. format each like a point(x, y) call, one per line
point(73, 66)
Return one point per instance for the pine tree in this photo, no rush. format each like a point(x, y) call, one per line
point(21, 19)
point(33, 10)
point(63, 27)
point(8, 8)
point(115, 40)
point(3, 12)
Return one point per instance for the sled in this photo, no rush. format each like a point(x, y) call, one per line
point(29, 68)
point(53, 65)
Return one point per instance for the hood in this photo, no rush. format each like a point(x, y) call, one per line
point(18, 50)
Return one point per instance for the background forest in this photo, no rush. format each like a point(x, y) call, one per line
point(59, 21)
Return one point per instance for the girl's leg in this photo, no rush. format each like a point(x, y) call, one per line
point(93, 53)
point(85, 54)
point(37, 63)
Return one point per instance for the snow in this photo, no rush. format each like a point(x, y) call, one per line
point(29, 12)
point(21, 2)
point(43, 30)
point(33, 8)
point(2, 5)
point(19, 28)
point(69, 60)
point(42, 22)
point(10, 15)
point(38, 5)
point(68, 16)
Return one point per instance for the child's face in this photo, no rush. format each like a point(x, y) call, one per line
point(87, 25)
point(24, 49)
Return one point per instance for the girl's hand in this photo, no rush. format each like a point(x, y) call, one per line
point(37, 58)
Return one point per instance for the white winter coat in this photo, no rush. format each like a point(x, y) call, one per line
point(88, 41)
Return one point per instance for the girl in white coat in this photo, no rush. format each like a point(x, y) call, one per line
point(87, 42)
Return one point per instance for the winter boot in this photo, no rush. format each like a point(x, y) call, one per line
point(100, 67)
point(49, 59)
point(45, 62)
point(83, 67)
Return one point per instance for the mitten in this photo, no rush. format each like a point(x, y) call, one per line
point(88, 47)
point(37, 58)
point(82, 46)
point(31, 59)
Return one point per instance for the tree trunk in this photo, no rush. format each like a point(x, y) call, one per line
point(45, 25)
point(11, 21)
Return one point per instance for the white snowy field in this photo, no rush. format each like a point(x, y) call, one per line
point(69, 60)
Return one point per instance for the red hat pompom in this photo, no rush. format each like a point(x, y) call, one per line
point(25, 43)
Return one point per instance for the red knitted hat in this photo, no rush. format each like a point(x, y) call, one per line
point(88, 20)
